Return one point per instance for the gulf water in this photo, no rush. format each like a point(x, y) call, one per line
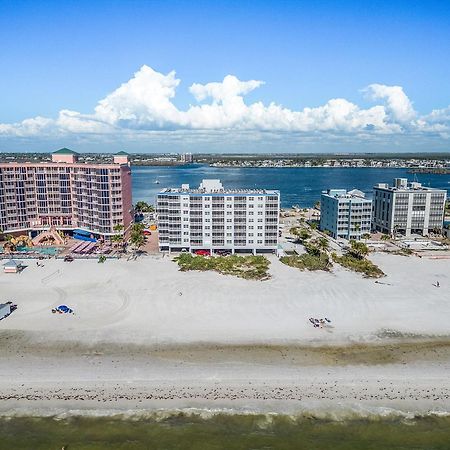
point(225, 432)
point(298, 186)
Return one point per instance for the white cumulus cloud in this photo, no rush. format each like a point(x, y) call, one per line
point(145, 104)
point(399, 107)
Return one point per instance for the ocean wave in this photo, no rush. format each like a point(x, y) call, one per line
point(265, 419)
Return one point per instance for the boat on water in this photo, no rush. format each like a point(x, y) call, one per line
point(156, 182)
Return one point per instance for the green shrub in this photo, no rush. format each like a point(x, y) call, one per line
point(402, 252)
point(248, 267)
point(308, 261)
point(362, 265)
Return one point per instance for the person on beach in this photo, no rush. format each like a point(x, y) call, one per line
point(437, 284)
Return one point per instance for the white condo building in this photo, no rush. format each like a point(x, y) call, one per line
point(345, 215)
point(408, 208)
point(214, 218)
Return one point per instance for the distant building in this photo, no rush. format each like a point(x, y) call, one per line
point(187, 158)
point(345, 215)
point(407, 208)
point(66, 195)
point(214, 218)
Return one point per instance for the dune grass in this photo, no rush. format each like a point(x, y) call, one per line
point(249, 267)
point(361, 265)
point(308, 261)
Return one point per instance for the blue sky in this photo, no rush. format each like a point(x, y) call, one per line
point(57, 56)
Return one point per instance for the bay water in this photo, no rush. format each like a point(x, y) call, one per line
point(298, 185)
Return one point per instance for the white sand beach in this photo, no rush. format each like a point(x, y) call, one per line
point(146, 336)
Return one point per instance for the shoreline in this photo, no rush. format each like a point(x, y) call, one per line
point(406, 380)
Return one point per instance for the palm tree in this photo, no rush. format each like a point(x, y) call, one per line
point(366, 236)
point(137, 236)
point(144, 207)
point(358, 249)
point(302, 234)
point(322, 243)
point(385, 237)
point(395, 231)
point(118, 237)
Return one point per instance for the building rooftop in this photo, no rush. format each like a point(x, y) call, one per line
point(342, 193)
point(402, 184)
point(65, 151)
point(215, 187)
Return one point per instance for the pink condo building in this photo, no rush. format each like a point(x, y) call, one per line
point(67, 195)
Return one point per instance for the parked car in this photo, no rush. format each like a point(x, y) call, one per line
point(223, 252)
point(147, 232)
point(68, 258)
point(202, 252)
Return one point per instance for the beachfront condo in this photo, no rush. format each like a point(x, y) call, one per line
point(88, 199)
point(345, 214)
point(213, 218)
point(408, 208)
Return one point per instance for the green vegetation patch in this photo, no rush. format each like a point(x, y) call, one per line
point(362, 265)
point(402, 252)
point(249, 267)
point(308, 261)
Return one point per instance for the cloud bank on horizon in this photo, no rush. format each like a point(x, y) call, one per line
point(144, 105)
